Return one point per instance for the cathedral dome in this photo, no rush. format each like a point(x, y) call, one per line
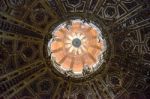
point(77, 48)
point(74, 49)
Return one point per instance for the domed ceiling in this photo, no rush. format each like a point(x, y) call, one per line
point(74, 49)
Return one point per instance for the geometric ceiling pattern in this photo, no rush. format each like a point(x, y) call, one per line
point(27, 73)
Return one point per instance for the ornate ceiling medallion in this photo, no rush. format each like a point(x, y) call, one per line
point(77, 48)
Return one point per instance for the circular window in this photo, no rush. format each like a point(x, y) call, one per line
point(77, 48)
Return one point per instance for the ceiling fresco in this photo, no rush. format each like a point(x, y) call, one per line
point(28, 71)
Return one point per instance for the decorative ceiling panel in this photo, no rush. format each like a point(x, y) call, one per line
point(26, 67)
